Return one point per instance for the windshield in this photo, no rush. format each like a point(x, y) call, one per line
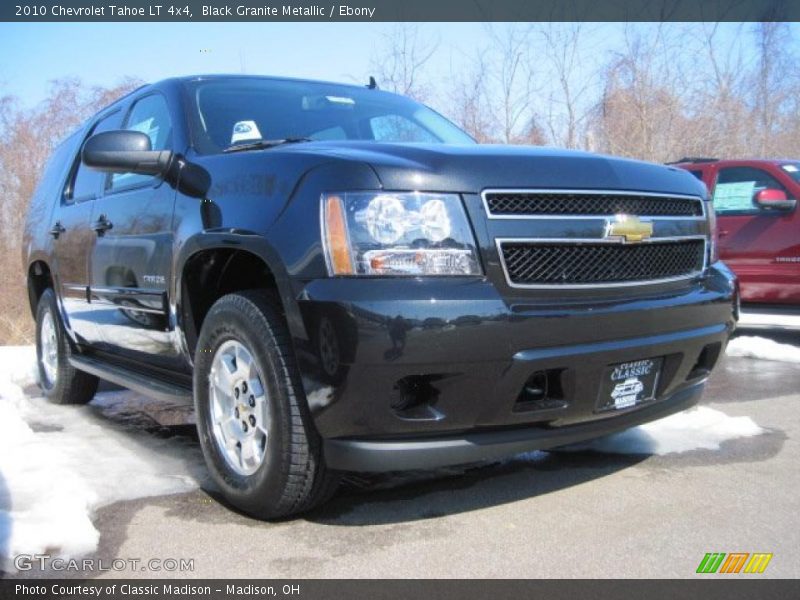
point(232, 111)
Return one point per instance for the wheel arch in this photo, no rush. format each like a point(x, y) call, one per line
point(212, 264)
point(39, 278)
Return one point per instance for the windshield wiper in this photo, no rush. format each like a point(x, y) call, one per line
point(261, 144)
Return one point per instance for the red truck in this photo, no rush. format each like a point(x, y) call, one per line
point(758, 227)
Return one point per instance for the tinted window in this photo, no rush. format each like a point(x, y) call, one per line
point(86, 183)
point(239, 110)
point(332, 133)
point(792, 169)
point(57, 168)
point(736, 188)
point(395, 128)
point(149, 115)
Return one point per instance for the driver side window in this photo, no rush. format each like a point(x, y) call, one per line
point(736, 188)
point(150, 115)
point(85, 183)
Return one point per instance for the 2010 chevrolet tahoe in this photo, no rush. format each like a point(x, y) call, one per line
point(340, 279)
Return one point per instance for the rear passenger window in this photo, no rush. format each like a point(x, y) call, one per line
point(736, 188)
point(149, 115)
point(85, 183)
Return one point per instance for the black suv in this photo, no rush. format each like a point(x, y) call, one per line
point(341, 280)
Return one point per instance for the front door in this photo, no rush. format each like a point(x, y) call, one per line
point(132, 251)
point(73, 238)
point(752, 240)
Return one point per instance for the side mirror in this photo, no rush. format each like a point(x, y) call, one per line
point(125, 151)
point(774, 200)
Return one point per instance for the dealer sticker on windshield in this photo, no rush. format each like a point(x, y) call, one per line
point(245, 131)
point(627, 384)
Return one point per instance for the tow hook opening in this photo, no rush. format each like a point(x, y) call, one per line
point(543, 390)
point(415, 397)
point(705, 362)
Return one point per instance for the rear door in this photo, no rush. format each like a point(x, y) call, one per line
point(72, 244)
point(755, 242)
point(132, 250)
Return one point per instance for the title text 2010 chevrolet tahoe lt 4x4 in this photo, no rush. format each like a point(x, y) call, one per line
point(342, 280)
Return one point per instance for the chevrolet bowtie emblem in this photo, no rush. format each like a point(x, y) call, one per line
point(628, 228)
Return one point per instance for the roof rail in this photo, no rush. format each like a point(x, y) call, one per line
point(692, 159)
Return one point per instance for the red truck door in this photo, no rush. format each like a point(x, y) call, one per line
point(761, 245)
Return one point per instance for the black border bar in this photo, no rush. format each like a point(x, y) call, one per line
point(399, 10)
point(710, 587)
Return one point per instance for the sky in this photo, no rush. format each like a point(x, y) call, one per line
point(104, 53)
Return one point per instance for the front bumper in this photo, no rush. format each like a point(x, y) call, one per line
point(419, 373)
point(406, 455)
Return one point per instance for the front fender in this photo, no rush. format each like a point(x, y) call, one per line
point(245, 241)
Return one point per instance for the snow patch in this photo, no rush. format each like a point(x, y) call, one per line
point(700, 428)
point(60, 463)
point(750, 346)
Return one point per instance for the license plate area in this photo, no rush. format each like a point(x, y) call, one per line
point(629, 384)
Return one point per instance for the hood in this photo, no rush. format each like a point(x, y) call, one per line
point(472, 168)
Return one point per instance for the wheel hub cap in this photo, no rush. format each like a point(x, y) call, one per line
point(239, 407)
point(49, 348)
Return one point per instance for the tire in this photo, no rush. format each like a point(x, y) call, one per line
point(273, 468)
point(60, 382)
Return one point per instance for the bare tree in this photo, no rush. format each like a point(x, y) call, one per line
point(492, 99)
point(771, 76)
point(399, 65)
point(27, 137)
point(641, 111)
point(566, 111)
point(720, 109)
point(467, 103)
point(510, 74)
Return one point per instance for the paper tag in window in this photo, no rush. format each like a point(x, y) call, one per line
point(245, 131)
point(734, 196)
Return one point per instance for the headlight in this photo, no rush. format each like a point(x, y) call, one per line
point(370, 233)
point(713, 249)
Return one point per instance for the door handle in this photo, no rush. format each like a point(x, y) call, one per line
point(722, 233)
point(57, 230)
point(102, 225)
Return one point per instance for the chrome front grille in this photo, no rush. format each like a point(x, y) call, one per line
point(532, 204)
point(562, 239)
point(541, 263)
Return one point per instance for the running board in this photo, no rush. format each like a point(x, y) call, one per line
point(138, 382)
